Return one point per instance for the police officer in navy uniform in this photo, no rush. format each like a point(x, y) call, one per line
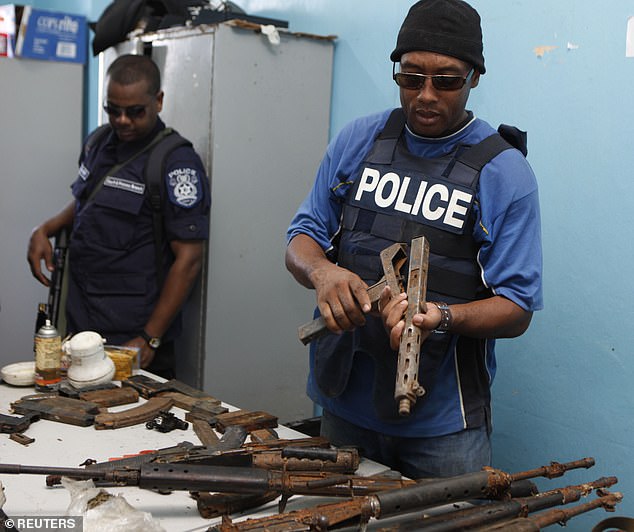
point(118, 285)
point(393, 176)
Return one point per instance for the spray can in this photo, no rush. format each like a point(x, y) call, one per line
point(48, 352)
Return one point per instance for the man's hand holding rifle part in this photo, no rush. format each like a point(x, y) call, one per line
point(392, 259)
point(398, 310)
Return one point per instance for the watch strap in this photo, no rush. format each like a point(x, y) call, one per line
point(153, 341)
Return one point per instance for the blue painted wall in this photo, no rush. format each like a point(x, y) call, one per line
point(558, 70)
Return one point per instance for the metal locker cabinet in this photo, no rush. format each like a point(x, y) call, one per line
point(41, 113)
point(258, 114)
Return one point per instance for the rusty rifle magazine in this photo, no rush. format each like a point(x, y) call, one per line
point(110, 397)
point(16, 424)
point(407, 388)
point(57, 408)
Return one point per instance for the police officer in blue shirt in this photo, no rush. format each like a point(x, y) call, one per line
point(118, 285)
point(393, 176)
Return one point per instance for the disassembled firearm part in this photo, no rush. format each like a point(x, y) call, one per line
point(166, 422)
point(407, 388)
point(15, 424)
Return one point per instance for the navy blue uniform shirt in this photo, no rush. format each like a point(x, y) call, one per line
point(113, 284)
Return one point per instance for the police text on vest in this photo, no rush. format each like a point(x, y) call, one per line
point(432, 202)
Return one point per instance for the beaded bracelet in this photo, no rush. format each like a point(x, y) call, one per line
point(445, 317)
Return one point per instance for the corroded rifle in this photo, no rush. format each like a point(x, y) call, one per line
point(489, 483)
point(407, 388)
point(497, 511)
point(607, 501)
point(229, 479)
point(288, 455)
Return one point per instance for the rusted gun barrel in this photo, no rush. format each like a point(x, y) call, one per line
point(194, 477)
point(407, 388)
point(607, 501)
point(494, 512)
point(488, 483)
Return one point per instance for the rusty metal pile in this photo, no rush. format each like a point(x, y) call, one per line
point(242, 464)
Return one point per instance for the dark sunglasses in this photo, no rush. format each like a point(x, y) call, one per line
point(441, 82)
point(133, 112)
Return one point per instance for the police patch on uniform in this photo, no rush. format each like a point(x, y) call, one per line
point(184, 187)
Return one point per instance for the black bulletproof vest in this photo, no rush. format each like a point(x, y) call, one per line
point(370, 223)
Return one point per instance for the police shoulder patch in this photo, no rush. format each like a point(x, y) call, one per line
point(183, 185)
point(83, 172)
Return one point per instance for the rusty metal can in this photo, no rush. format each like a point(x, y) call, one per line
point(48, 353)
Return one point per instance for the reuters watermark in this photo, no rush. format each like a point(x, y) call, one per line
point(44, 524)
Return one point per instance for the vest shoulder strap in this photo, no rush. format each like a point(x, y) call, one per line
point(476, 157)
point(153, 175)
point(155, 165)
point(470, 160)
point(481, 153)
point(387, 139)
point(394, 125)
point(506, 138)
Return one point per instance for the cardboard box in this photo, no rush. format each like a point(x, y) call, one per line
point(51, 36)
point(126, 360)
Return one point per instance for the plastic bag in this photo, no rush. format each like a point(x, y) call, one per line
point(104, 512)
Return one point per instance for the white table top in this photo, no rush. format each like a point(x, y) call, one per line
point(60, 444)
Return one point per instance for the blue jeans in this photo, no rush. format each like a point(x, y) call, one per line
point(441, 456)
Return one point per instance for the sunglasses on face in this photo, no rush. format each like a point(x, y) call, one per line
point(132, 112)
point(441, 82)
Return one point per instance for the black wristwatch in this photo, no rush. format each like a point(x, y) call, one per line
point(153, 341)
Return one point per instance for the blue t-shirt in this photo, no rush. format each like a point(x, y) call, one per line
point(507, 230)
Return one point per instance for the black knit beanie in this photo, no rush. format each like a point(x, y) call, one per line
point(448, 27)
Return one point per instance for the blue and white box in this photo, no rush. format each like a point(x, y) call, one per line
point(52, 36)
